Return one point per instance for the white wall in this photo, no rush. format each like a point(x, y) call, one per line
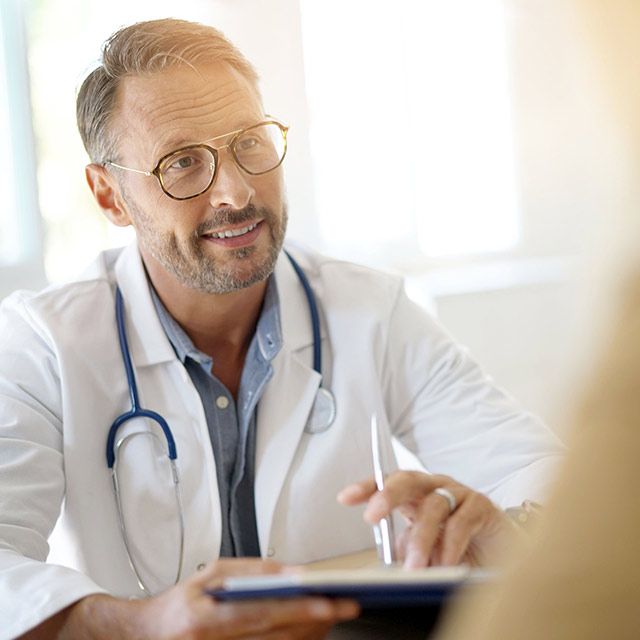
point(571, 163)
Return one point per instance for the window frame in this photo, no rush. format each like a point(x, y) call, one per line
point(28, 270)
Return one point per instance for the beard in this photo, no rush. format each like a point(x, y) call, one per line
point(196, 268)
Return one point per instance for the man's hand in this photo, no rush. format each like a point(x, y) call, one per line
point(186, 611)
point(435, 535)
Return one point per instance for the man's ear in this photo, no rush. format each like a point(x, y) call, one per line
point(107, 193)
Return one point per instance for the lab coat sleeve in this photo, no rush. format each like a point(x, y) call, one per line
point(31, 476)
point(457, 421)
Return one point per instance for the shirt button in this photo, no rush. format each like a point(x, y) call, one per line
point(271, 552)
point(201, 566)
point(222, 402)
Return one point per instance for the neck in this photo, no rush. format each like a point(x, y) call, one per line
point(220, 325)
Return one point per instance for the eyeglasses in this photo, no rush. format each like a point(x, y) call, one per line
point(190, 171)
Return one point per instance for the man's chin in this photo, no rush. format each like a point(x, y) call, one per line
point(241, 274)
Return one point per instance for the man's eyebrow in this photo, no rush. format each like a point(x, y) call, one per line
point(228, 133)
point(170, 145)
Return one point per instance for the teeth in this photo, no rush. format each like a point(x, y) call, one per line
point(233, 233)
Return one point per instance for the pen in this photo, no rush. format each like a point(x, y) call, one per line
point(383, 530)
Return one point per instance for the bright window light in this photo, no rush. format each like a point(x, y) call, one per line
point(20, 233)
point(10, 249)
point(411, 127)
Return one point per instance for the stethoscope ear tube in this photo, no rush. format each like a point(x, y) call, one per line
point(136, 410)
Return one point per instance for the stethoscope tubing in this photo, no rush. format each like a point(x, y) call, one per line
point(313, 311)
point(136, 410)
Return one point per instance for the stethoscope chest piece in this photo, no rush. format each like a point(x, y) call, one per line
point(323, 412)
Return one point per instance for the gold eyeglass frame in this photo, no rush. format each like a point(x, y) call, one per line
point(156, 172)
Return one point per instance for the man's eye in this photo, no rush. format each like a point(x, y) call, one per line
point(246, 144)
point(184, 162)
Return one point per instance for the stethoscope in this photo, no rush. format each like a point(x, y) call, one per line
point(321, 418)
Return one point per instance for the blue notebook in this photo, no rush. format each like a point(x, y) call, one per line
point(380, 587)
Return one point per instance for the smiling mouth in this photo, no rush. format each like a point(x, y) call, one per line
point(231, 233)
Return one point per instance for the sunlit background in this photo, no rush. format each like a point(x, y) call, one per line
point(462, 143)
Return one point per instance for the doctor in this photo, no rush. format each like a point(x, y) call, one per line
point(202, 394)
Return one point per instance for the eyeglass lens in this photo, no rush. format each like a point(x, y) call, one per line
point(190, 171)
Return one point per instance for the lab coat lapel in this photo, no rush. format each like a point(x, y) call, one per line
point(287, 400)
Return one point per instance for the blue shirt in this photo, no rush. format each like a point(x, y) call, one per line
point(231, 425)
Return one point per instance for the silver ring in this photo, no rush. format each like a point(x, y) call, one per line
point(449, 497)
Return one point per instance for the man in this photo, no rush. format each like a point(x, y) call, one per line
point(215, 338)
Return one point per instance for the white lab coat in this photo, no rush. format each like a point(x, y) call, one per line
point(62, 383)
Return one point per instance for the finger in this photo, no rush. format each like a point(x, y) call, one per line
point(241, 618)
point(435, 559)
point(343, 609)
point(401, 542)
point(466, 522)
point(430, 516)
point(247, 566)
point(212, 575)
point(402, 489)
point(357, 493)
point(301, 632)
point(346, 609)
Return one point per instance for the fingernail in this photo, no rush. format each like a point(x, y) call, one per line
point(321, 609)
point(376, 509)
point(348, 492)
point(414, 560)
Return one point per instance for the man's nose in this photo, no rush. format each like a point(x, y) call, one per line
point(232, 186)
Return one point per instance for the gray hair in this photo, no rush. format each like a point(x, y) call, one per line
point(139, 49)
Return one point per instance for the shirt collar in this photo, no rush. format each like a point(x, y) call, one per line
point(268, 328)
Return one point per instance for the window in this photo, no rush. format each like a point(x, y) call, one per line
point(8, 220)
point(411, 127)
point(20, 236)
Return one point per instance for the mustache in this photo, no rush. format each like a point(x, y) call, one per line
point(228, 216)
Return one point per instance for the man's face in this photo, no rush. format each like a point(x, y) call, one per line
point(174, 108)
